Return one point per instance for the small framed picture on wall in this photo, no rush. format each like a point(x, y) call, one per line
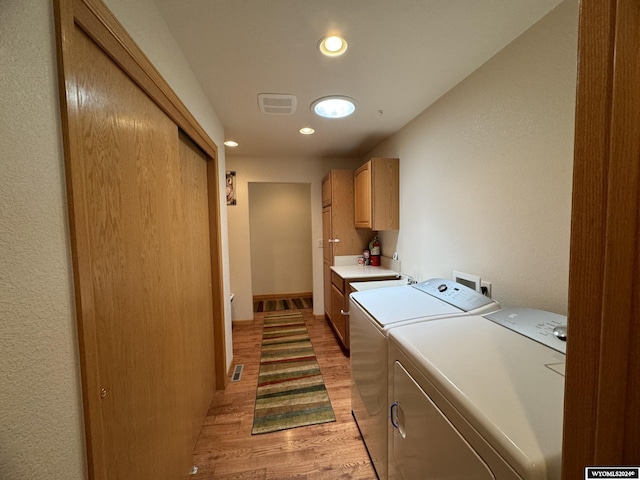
point(231, 188)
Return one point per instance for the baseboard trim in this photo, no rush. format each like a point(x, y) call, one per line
point(227, 378)
point(242, 322)
point(278, 296)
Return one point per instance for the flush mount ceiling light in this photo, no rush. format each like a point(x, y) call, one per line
point(307, 131)
point(334, 106)
point(231, 143)
point(332, 45)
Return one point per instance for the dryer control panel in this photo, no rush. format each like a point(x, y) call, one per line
point(544, 327)
point(455, 294)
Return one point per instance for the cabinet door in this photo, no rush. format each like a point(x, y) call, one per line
point(327, 288)
point(327, 235)
point(385, 194)
point(348, 239)
point(326, 190)
point(377, 194)
point(337, 319)
point(346, 318)
point(362, 196)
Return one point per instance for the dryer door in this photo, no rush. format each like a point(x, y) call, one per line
point(425, 444)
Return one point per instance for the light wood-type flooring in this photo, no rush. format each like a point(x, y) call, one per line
point(227, 450)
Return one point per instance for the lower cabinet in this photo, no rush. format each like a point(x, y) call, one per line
point(339, 316)
point(338, 299)
point(326, 279)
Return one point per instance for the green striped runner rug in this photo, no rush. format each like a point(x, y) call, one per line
point(291, 392)
point(296, 303)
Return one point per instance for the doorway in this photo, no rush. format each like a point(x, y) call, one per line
point(280, 239)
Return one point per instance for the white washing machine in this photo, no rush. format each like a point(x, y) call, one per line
point(472, 399)
point(361, 286)
point(372, 314)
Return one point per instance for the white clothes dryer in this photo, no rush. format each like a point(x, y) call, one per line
point(372, 314)
point(472, 399)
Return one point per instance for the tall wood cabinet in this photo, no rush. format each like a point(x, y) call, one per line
point(339, 235)
point(377, 194)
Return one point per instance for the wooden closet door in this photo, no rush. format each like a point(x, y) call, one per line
point(194, 270)
point(142, 234)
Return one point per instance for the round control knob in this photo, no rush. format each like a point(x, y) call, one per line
point(442, 288)
point(561, 332)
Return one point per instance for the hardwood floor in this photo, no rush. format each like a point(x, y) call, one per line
point(227, 450)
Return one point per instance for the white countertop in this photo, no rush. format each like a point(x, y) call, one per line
point(350, 272)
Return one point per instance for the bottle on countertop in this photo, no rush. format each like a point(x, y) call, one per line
point(374, 248)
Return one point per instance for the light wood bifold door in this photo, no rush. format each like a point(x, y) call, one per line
point(143, 203)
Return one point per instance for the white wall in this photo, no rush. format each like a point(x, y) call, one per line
point(41, 423)
point(485, 172)
point(41, 426)
point(293, 170)
point(280, 237)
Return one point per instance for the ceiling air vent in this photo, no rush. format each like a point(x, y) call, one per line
point(277, 103)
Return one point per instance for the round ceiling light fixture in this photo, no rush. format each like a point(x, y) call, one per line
point(332, 45)
point(335, 106)
point(307, 131)
point(231, 143)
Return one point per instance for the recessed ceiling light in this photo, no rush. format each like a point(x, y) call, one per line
point(332, 45)
point(307, 131)
point(334, 106)
point(231, 143)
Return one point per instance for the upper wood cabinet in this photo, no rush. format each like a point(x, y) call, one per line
point(377, 194)
point(326, 190)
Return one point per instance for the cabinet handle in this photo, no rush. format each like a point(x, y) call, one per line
point(396, 421)
point(394, 415)
point(334, 240)
point(344, 313)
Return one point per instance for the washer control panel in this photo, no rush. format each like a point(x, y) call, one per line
point(544, 327)
point(454, 294)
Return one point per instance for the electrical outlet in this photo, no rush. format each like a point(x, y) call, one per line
point(486, 285)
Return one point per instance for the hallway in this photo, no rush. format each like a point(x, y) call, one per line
point(227, 450)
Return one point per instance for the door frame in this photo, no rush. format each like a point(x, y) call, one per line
point(96, 21)
point(602, 394)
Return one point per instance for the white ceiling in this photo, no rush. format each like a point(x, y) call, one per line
point(402, 56)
